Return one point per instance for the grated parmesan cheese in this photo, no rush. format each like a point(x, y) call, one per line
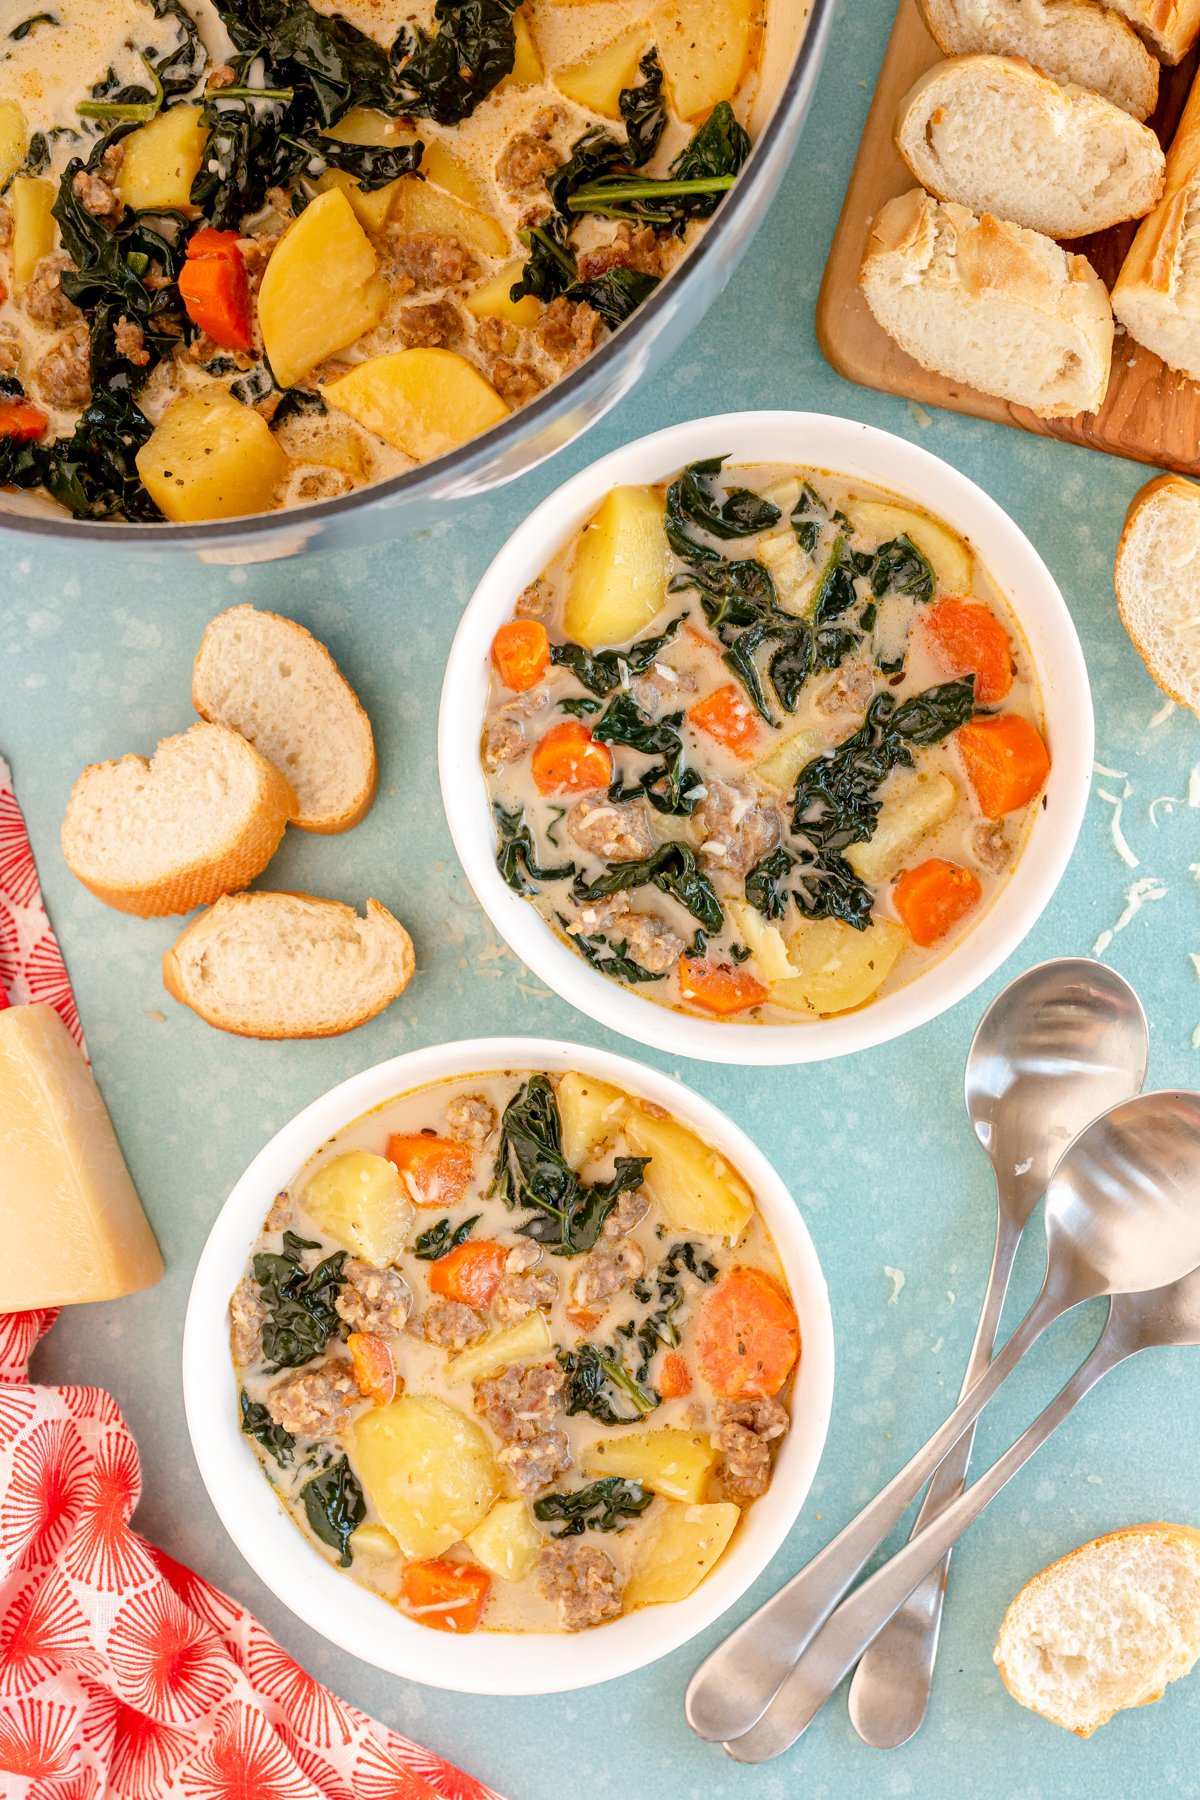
point(1139, 895)
point(897, 1279)
point(1121, 842)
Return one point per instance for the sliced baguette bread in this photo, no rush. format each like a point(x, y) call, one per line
point(1169, 27)
point(1000, 308)
point(1106, 1627)
point(992, 133)
point(202, 817)
point(1072, 40)
point(1158, 584)
point(288, 965)
point(270, 679)
point(1157, 293)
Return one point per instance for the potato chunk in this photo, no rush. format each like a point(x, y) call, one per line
point(493, 299)
point(618, 576)
point(527, 64)
point(785, 760)
point(427, 1470)
point(162, 159)
point(914, 804)
point(838, 967)
point(706, 48)
point(591, 1112)
point(359, 1199)
point(763, 940)
point(674, 1463)
point(448, 171)
point(950, 559)
point(694, 1187)
point(320, 291)
point(508, 1541)
point(596, 82)
point(371, 208)
point(425, 402)
point(13, 140)
point(420, 206)
point(34, 230)
point(527, 1341)
point(209, 457)
point(678, 1551)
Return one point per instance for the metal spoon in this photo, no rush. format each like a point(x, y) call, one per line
point(1164, 1316)
point(1122, 1215)
point(1060, 1045)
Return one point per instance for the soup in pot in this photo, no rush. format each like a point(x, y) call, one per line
point(762, 743)
point(261, 253)
point(516, 1351)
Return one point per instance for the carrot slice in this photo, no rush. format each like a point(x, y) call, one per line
point(208, 241)
point(933, 897)
point(435, 1171)
point(1006, 762)
point(726, 716)
point(674, 1378)
point(21, 421)
point(521, 654)
point(374, 1367)
point(719, 987)
point(748, 1339)
point(968, 638)
point(215, 290)
point(449, 1596)
point(568, 760)
point(470, 1273)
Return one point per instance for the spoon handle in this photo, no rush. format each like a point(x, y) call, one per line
point(733, 1687)
point(836, 1648)
point(890, 1690)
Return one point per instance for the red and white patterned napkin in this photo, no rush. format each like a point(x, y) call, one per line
point(124, 1676)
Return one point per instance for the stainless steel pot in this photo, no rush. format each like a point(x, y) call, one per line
point(797, 31)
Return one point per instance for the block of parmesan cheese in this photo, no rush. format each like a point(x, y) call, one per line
point(71, 1223)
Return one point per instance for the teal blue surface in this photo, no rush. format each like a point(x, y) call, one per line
point(94, 661)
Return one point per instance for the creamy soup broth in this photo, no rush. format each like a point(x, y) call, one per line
point(649, 713)
point(673, 1241)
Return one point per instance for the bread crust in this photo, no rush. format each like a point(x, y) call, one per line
point(325, 824)
point(1139, 93)
point(1170, 26)
point(175, 982)
point(232, 862)
point(1126, 605)
point(1066, 113)
point(1176, 1535)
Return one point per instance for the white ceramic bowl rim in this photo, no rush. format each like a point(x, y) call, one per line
point(847, 448)
point(327, 1599)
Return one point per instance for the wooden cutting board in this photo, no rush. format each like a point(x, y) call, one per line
point(1150, 414)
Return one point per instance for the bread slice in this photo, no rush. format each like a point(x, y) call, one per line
point(1106, 1627)
point(1158, 583)
point(1157, 293)
point(267, 965)
point(202, 817)
point(994, 134)
point(1169, 27)
point(998, 307)
point(1072, 40)
point(270, 679)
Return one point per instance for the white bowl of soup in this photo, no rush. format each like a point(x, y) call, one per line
point(508, 1365)
point(766, 739)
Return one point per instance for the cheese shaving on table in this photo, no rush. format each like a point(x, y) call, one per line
point(1162, 715)
point(1171, 801)
point(1147, 889)
point(897, 1279)
point(1098, 768)
point(1117, 802)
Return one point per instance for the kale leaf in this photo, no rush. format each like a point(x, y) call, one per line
point(643, 111)
point(516, 857)
point(610, 959)
point(258, 1423)
point(172, 75)
point(441, 1238)
point(600, 671)
point(737, 513)
point(672, 869)
point(662, 1325)
point(599, 1507)
point(898, 567)
point(764, 883)
point(670, 786)
point(302, 1316)
point(699, 178)
point(531, 1173)
point(31, 24)
point(615, 294)
point(92, 473)
point(596, 1378)
point(335, 1507)
point(836, 802)
point(444, 76)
